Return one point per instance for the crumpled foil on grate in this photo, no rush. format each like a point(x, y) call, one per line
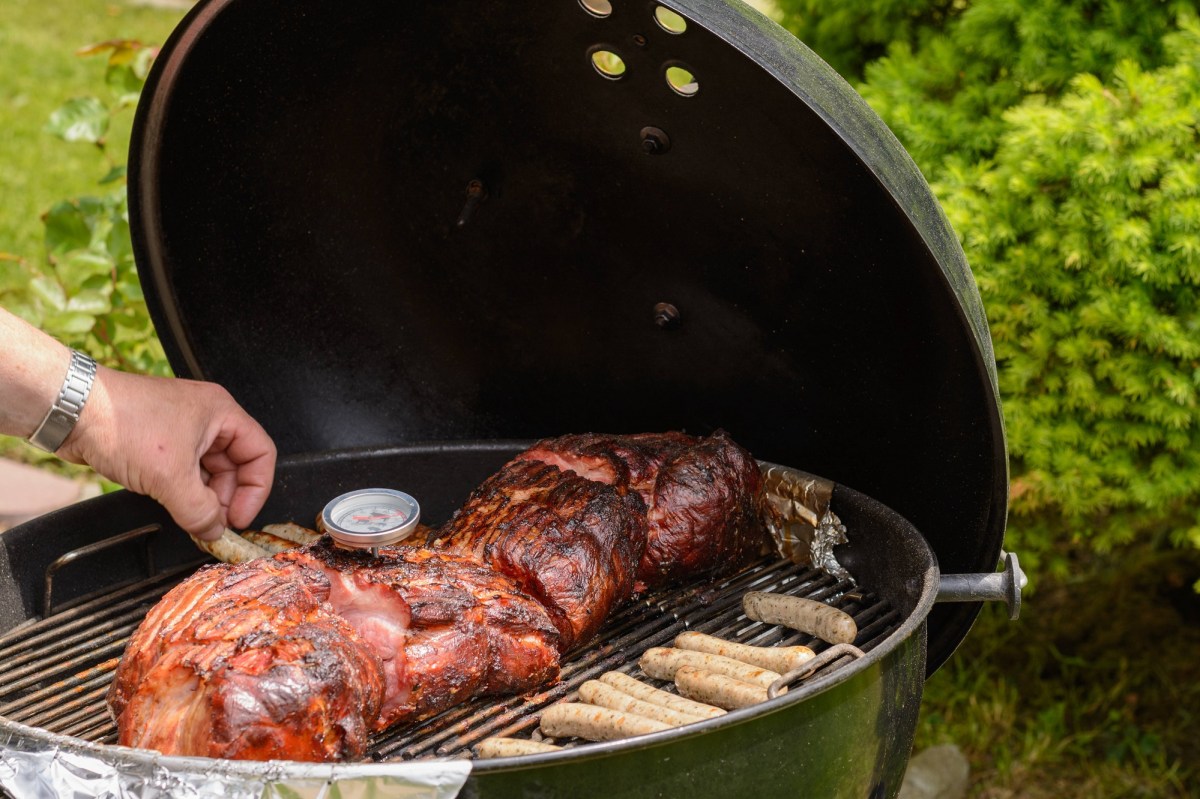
point(35, 764)
point(799, 519)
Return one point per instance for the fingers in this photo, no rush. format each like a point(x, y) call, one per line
point(187, 444)
point(195, 507)
point(225, 492)
point(242, 464)
point(222, 493)
point(222, 481)
point(247, 502)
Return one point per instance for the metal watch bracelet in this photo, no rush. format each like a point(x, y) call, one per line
point(64, 413)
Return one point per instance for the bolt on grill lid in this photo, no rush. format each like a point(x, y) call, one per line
point(379, 223)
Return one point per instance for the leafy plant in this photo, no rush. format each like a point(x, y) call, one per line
point(1085, 233)
point(1061, 138)
point(88, 294)
point(1078, 698)
point(849, 35)
point(941, 72)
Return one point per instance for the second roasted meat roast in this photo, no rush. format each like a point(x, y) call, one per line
point(581, 521)
point(703, 496)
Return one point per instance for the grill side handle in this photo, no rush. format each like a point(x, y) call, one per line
point(83, 552)
point(1002, 586)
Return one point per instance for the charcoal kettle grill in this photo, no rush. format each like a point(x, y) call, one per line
point(412, 238)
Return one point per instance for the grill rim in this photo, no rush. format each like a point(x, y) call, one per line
point(141, 759)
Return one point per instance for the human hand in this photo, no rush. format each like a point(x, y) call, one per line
point(185, 443)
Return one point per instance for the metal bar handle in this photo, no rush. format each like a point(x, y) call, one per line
point(811, 667)
point(1002, 586)
point(91, 549)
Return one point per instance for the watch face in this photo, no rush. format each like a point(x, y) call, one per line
point(371, 517)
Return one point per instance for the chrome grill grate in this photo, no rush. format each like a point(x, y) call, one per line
point(55, 672)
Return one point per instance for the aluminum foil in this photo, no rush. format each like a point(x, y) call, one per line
point(799, 518)
point(35, 764)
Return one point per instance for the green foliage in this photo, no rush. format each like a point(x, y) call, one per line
point(38, 71)
point(1079, 698)
point(1084, 230)
point(88, 294)
point(848, 35)
point(1061, 138)
point(953, 66)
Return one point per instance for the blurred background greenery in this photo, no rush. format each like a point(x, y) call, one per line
point(39, 71)
point(1061, 137)
point(53, 188)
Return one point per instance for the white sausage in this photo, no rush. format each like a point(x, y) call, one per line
point(290, 531)
point(268, 541)
point(718, 689)
point(806, 615)
point(661, 663)
point(595, 723)
point(598, 693)
point(639, 689)
point(776, 658)
point(231, 548)
point(511, 747)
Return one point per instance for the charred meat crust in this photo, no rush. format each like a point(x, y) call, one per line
point(254, 662)
point(302, 656)
point(258, 665)
point(703, 496)
point(571, 542)
point(472, 631)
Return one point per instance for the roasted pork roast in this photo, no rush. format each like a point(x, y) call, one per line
point(572, 542)
point(703, 496)
point(302, 655)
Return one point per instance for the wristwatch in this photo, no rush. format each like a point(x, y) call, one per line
point(64, 413)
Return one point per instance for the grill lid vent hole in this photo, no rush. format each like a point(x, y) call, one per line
point(597, 8)
point(608, 64)
point(682, 81)
point(668, 20)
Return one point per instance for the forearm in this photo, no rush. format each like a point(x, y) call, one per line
point(188, 444)
point(32, 368)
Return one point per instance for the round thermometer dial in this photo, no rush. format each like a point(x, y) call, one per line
point(371, 517)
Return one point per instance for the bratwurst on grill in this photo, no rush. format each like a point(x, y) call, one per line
point(302, 655)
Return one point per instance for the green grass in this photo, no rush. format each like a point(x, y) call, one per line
point(38, 72)
point(1093, 692)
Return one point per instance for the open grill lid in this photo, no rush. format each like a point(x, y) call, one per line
point(766, 258)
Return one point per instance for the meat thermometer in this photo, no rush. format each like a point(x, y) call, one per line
point(370, 518)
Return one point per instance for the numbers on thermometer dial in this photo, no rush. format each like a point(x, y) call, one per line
point(370, 517)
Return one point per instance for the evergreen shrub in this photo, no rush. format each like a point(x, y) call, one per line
point(1084, 231)
point(949, 68)
point(1061, 137)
